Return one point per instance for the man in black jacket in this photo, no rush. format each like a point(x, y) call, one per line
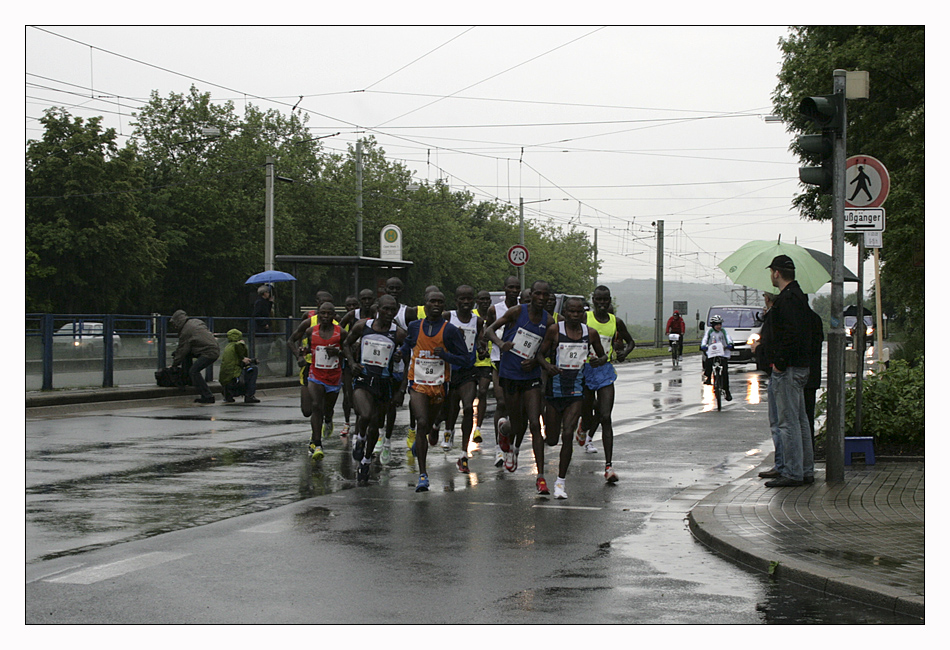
point(788, 333)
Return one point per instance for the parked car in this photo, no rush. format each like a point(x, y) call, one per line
point(83, 337)
point(744, 323)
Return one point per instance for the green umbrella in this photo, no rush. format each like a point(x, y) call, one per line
point(748, 266)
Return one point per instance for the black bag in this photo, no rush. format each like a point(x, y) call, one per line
point(174, 377)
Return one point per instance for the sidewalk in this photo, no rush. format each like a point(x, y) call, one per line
point(862, 539)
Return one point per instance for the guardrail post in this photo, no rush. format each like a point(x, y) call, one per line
point(162, 342)
point(289, 327)
point(252, 336)
point(46, 333)
point(108, 352)
point(209, 371)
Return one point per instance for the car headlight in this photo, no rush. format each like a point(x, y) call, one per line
point(752, 339)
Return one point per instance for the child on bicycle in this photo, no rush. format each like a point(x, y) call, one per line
point(715, 333)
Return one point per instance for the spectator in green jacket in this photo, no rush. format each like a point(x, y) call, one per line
point(238, 372)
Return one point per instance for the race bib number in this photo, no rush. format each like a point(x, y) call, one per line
point(376, 352)
point(525, 343)
point(323, 360)
point(571, 356)
point(716, 350)
point(607, 343)
point(428, 372)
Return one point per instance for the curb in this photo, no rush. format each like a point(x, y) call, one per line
point(100, 396)
point(706, 529)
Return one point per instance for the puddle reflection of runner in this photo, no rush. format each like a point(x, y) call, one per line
point(863, 180)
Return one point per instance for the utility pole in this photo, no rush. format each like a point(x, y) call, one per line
point(521, 241)
point(269, 214)
point(658, 328)
point(595, 257)
point(359, 213)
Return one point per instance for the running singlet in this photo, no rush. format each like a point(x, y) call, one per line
point(376, 350)
point(469, 332)
point(527, 337)
point(428, 373)
point(607, 332)
point(324, 368)
point(400, 317)
point(569, 357)
point(487, 360)
point(500, 308)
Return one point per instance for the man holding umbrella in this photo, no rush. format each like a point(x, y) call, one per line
point(788, 330)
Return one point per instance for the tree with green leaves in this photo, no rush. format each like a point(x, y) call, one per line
point(89, 247)
point(889, 126)
point(193, 230)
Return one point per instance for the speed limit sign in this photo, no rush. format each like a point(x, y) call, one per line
point(517, 255)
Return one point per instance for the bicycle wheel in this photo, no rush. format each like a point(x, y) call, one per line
point(717, 385)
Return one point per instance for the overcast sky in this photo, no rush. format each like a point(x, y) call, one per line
point(611, 128)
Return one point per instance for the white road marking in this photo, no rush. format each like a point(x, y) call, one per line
point(279, 526)
point(115, 569)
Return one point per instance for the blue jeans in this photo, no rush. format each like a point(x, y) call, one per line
point(773, 427)
point(787, 389)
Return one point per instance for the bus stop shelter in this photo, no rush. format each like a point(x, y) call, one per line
point(349, 273)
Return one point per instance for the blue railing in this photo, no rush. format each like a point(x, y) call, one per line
point(62, 343)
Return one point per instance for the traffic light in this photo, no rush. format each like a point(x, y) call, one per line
point(824, 146)
point(826, 111)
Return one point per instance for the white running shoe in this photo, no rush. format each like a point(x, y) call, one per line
point(589, 447)
point(386, 454)
point(378, 449)
point(511, 460)
point(559, 492)
point(499, 458)
point(447, 437)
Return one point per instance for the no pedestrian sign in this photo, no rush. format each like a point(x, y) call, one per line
point(517, 255)
point(868, 182)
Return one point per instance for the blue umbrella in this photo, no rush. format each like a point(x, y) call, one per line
point(269, 276)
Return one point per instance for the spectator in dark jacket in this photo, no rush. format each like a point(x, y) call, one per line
point(788, 351)
point(197, 349)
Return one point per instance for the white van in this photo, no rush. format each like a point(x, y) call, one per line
point(744, 323)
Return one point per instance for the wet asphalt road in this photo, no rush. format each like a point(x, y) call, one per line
point(212, 514)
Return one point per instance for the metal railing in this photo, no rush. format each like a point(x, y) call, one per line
point(57, 344)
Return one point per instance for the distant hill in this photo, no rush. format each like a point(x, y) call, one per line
point(636, 299)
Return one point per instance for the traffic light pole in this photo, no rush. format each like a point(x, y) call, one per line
point(835, 424)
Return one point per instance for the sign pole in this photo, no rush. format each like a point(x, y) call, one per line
point(835, 424)
point(879, 344)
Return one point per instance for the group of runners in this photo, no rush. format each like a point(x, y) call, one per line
point(552, 374)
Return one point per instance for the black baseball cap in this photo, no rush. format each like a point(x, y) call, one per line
point(783, 262)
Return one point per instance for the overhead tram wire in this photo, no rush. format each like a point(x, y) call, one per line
point(419, 58)
point(180, 74)
point(490, 77)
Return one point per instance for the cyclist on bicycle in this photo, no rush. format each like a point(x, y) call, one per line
point(676, 325)
point(716, 334)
